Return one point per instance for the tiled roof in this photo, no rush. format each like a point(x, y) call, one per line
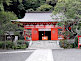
point(39, 17)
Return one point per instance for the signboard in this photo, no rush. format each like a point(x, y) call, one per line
point(44, 29)
point(28, 27)
point(38, 26)
point(79, 41)
point(16, 38)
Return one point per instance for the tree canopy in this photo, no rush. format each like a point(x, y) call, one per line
point(5, 23)
point(19, 7)
point(70, 8)
point(45, 7)
point(72, 11)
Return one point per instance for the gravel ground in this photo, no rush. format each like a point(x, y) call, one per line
point(67, 55)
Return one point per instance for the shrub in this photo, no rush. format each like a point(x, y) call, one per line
point(18, 46)
point(19, 42)
point(9, 44)
point(27, 44)
point(2, 45)
point(23, 46)
point(13, 47)
point(23, 42)
point(76, 42)
point(65, 44)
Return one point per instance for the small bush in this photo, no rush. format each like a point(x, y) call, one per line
point(23, 46)
point(2, 44)
point(27, 44)
point(20, 42)
point(65, 44)
point(75, 45)
point(11, 45)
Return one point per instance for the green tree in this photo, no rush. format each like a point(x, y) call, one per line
point(1, 4)
point(28, 4)
point(16, 6)
point(70, 8)
point(72, 11)
point(5, 23)
point(51, 2)
point(45, 7)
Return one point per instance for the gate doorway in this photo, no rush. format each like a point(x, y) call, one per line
point(44, 35)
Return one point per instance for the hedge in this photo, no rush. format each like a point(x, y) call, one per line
point(12, 45)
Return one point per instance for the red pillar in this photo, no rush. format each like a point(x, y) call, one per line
point(78, 43)
point(54, 34)
point(35, 34)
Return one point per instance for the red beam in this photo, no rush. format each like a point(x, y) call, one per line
point(35, 23)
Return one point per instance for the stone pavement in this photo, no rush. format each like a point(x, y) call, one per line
point(22, 56)
point(55, 55)
point(41, 55)
point(15, 51)
point(3, 51)
point(67, 55)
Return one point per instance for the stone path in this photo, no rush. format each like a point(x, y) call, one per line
point(45, 45)
point(41, 55)
point(44, 50)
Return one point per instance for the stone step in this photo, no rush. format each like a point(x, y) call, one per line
point(45, 44)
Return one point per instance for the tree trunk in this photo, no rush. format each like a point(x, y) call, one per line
point(5, 41)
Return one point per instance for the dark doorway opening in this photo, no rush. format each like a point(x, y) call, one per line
point(41, 33)
point(46, 33)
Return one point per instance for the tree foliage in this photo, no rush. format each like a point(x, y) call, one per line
point(51, 2)
point(45, 7)
point(70, 8)
point(72, 11)
point(19, 7)
point(1, 4)
point(5, 23)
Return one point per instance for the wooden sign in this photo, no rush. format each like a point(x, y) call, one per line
point(79, 41)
